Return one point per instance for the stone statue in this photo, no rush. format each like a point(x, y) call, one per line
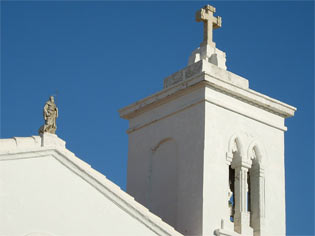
point(50, 114)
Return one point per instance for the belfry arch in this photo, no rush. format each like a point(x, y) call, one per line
point(235, 145)
point(234, 155)
point(238, 162)
point(246, 186)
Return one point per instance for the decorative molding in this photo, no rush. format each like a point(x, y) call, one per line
point(181, 89)
point(180, 109)
point(260, 153)
point(234, 145)
point(247, 114)
point(20, 142)
point(215, 78)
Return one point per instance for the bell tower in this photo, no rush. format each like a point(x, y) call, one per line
point(206, 153)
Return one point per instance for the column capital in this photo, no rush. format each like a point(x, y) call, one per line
point(241, 163)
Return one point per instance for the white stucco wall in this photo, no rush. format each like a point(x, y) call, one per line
point(186, 130)
point(221, 125)
point(42, 195)
point(46, 190)
point(163, 176)
point(201, 114)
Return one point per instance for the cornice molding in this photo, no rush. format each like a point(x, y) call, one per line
point(212, 79)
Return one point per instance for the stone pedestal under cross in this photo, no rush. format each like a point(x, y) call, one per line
point(207, 50)
point(211, 22)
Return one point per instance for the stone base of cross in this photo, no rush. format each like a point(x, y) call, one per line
point(210, 54)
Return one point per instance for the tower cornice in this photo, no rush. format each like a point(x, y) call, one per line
point(203, 73)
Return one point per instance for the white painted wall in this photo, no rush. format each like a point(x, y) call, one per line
point(163, 179)
point(201, 115)
point(41, 195)
point(186, 130)
point(221, 125)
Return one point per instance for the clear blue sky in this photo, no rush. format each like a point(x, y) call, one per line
point(102, 56)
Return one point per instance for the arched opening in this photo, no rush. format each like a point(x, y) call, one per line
point(233, 157)
point(256, 186)
point(231, 202)
point(246, 187)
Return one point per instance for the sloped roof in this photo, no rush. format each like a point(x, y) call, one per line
point(50, 144)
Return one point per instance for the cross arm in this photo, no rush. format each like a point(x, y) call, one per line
point(217, 22)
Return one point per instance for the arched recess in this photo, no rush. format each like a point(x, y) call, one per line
point(257, 154)
point(163, 180)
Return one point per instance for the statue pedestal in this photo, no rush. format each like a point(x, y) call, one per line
point(52, 140)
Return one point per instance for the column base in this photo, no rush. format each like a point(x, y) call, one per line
point(241, 224)
point(224, 232)
point(227, 225)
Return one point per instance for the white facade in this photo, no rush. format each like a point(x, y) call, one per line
point(184, 139)
point(47, 190)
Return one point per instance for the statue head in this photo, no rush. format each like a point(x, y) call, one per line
point(51, 98)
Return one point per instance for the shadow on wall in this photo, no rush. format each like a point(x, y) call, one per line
point(163, 181)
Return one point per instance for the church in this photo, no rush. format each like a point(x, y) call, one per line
point(205, 157)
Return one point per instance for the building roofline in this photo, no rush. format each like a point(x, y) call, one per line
point(50, 145)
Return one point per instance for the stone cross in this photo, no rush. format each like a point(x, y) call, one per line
point(210, 22)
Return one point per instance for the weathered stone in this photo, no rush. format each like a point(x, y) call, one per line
point(210, 22)
point(50, 113)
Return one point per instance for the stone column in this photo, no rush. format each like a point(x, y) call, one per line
point(242, 216)
point(258, 200)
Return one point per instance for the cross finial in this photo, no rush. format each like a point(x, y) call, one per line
point(210, 22)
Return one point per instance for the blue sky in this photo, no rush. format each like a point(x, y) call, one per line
point(101, 56)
